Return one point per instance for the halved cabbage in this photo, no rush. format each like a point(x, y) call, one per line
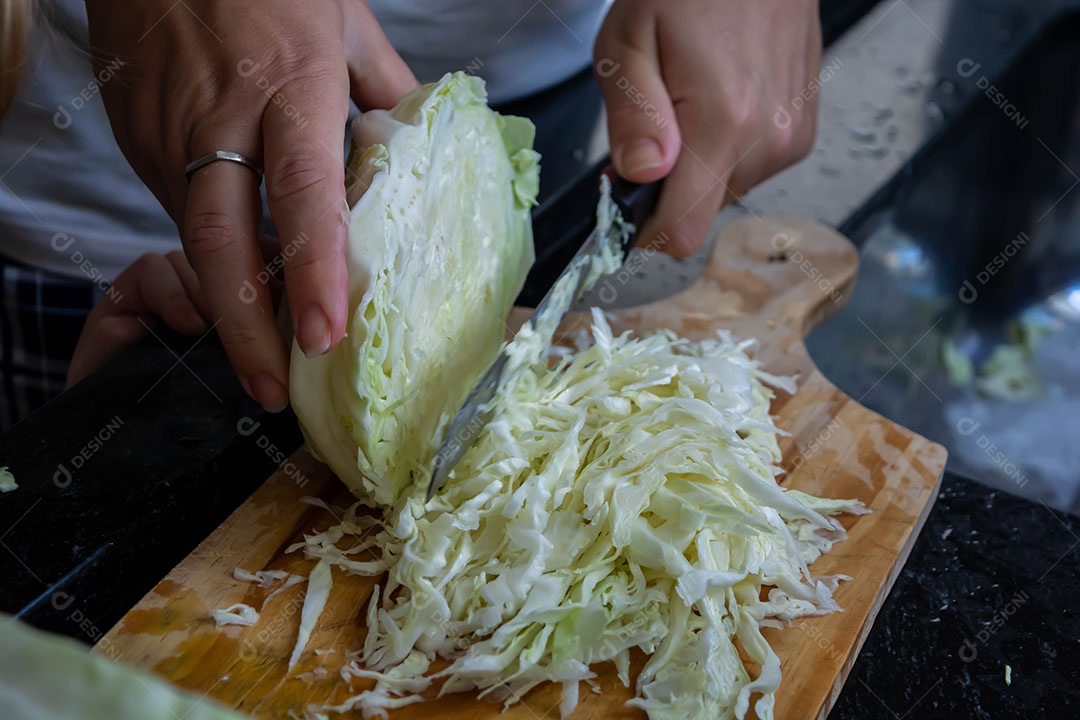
point(440, 240)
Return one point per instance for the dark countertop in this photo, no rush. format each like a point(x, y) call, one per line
point(992, 581)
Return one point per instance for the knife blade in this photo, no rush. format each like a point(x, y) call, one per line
point(634, 202)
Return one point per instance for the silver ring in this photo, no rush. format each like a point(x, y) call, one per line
point(220, 155)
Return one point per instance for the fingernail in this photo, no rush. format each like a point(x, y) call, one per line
point(641, 154)
point(268, 392)
point(314, 332)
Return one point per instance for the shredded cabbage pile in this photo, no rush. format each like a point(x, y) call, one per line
point(623, 499)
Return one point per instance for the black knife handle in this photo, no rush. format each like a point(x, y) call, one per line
point(635, 201)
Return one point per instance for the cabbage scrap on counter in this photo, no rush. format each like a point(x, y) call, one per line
point(622, 497)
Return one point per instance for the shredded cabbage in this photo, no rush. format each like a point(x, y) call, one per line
point(7, 480)
point(623, 499)
point(318, 592)
point(237, 614)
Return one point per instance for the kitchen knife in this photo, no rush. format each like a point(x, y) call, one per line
point(634, 203)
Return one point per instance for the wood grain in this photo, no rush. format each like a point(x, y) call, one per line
point(772, 279)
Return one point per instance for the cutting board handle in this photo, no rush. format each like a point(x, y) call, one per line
point(771, 278)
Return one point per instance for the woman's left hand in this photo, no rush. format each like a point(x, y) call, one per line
point(154, 289)
point(703, 92)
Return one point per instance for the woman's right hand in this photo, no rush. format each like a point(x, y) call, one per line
point(270, 80)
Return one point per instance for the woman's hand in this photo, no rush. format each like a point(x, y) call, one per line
point(270, 80)
point(692, 89)
point(153, 289)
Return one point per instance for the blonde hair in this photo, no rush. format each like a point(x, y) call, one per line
point(16, 22)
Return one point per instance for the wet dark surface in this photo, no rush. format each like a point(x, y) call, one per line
point(979, 234)
point(122, 476)
point(992, 581)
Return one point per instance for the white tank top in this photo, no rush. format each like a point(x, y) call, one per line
point(71, 204)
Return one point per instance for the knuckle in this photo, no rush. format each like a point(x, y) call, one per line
point(791, 144)
point(303, 263)
point(296, 63)
point(781, 146)
point(625, 114)
point(807, 135)
point(294, 175)
point(146, 261)
point(744, 107)
point(236, 336)
point(685, 237)
point(210, 232)
point(176, 256)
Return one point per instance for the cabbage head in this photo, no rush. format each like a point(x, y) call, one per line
point(439, 242)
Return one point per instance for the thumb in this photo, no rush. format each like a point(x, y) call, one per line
point(378, 77)
point(642, 130)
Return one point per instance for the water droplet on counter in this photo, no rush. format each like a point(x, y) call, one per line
point(911, 87)
point(862, 134)
point(882, 115)
point(935, 113)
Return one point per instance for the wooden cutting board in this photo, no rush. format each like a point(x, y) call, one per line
point(772, 279)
